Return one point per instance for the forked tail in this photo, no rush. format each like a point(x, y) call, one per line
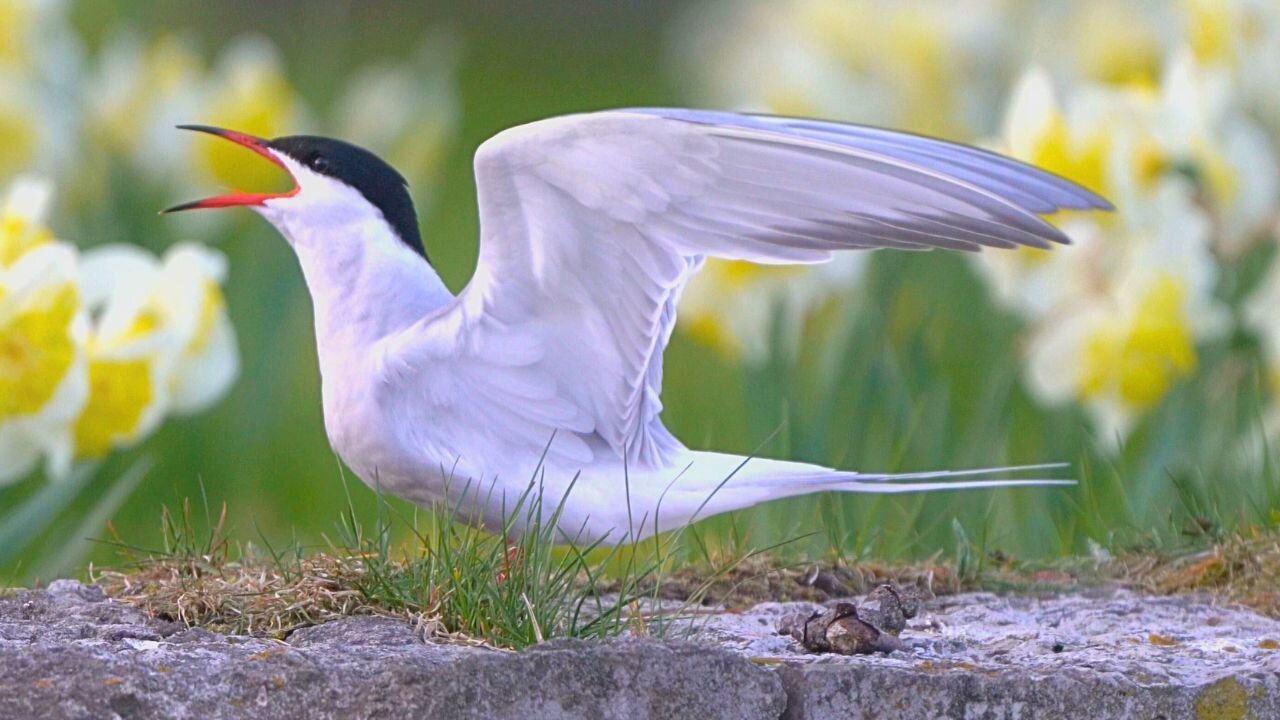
point(713, 483)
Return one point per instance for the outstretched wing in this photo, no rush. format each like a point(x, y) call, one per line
point(592, 224)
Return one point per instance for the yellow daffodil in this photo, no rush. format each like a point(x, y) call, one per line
point(43, 382)
point(1074, 145)
point(1078, 143)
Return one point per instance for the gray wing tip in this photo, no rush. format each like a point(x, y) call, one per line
point(1077, 197)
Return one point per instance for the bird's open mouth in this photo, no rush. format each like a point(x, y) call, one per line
point(258, 145)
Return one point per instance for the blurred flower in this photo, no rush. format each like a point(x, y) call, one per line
point(1078, 144)
point(406, 112)
point(19, 128)
point(137, 92)
point(1115, 321)
point(731, 305)
point(249, 93)
point(22, 213)
point(1207, 134)
point(35, 37)
point(39, 69)
point(160, 341)
point(130, 351)
point(1118, 44)
point(931, 67)
point(1120, 348)
point(1241, 39)
point(188, 295)
point(42, 370)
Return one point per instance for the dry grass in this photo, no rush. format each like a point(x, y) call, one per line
point(1242, 569)
point(451, 581)
point(251, 596)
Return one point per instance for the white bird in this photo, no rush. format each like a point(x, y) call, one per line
point(547, 367)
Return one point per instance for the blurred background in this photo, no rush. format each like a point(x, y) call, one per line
point(1145, 355)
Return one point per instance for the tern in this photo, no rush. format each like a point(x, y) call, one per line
point(547, 367)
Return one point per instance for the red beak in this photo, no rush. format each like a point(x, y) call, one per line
point(255, 144)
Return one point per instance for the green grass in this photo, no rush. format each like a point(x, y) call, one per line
point(461, 585)
point(453, 580)
point(926, 375)
point(901, 384)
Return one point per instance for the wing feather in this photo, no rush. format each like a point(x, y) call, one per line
point(591, 225)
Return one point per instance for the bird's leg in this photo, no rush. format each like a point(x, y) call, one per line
point(509, 558)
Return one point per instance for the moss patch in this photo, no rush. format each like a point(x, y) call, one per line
point(1226, 699)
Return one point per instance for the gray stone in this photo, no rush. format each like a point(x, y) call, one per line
point(68, 652)
point(981, 656)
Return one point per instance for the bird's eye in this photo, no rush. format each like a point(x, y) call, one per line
point(319, 163)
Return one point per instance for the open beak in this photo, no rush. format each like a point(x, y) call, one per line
point(255, 144)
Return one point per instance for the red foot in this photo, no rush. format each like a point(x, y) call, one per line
point(509, 559)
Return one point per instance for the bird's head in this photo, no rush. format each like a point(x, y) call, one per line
point(333, 181)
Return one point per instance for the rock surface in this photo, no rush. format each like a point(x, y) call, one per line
point(980, 656)
point(68, 652)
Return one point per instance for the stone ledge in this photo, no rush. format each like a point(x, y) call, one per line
point(69, 652)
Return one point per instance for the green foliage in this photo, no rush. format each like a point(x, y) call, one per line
point(922, 373)
point(48, 522)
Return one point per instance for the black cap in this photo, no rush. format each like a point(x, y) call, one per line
point(377, 181)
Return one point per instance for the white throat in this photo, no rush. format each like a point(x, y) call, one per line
point(365, 283)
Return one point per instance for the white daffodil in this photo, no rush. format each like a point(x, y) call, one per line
point(1120, 43)
point(1239, 38)
point(1204, 129)
point(1076, 144)
point(732, 305)
point(43, 380)
point(188, 294)
point(406, 112)
point(927, 66)
point(22, 213)
point(1120, 348)
point(131, 351)
point(37, 41)
point(1115, 320)
point(160, 341)
point(138, 91)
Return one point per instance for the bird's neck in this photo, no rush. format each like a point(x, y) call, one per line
point(365, 283)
